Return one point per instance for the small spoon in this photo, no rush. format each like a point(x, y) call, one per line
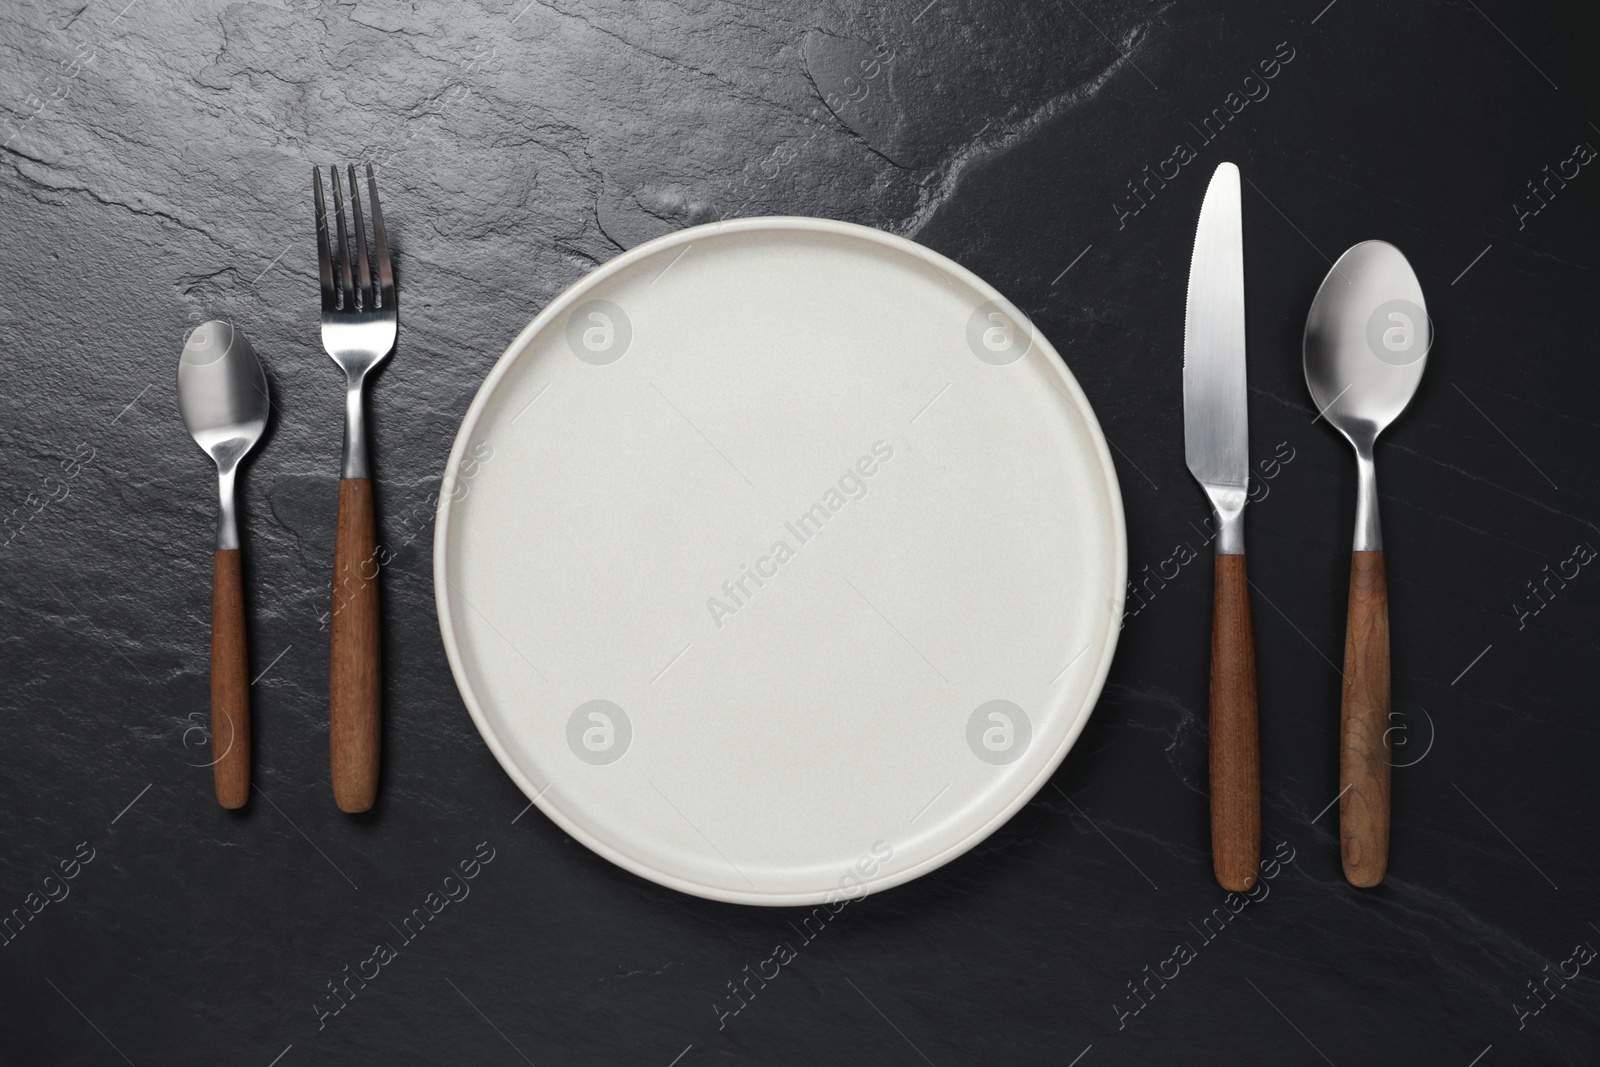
point(1366, 344)
point(222, 394)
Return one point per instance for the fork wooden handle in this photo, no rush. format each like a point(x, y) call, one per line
point(1235, 746)
point(1364, 725)
point(230, 682)
point(354, 659)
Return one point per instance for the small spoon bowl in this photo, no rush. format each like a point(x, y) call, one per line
point(222, 395)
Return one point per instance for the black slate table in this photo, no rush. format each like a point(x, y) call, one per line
point(155, 174)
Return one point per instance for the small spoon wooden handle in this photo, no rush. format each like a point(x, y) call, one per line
point(230, 682)
point(1364, 725)
point(1235, 746)
point(354, 682)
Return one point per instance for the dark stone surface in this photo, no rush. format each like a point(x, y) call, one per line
point(155, 174)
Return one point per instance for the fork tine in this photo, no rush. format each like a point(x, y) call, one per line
point(385, 273)
point(324, 263)
point(363, 275)
point(348, 292)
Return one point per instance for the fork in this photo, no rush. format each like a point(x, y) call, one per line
point(359, 325)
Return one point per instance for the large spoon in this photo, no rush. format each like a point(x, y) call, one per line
point(222, 394)
point(1366, 344)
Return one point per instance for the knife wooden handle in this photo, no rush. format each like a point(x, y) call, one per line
point(1235, 746)
point(1364, 725)
point(230, 682)
point(354, 682)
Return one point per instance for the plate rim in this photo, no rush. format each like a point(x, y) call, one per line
point(558, 306)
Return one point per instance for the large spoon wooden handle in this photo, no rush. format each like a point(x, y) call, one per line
point(230, 682)
point(354, 683)
point(1235, 746)
point(1364, 725)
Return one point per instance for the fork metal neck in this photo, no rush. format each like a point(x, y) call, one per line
point(356, 463)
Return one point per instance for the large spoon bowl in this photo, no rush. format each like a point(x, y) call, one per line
point(1366, 341)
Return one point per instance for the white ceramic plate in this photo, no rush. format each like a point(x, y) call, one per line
point(780, 560)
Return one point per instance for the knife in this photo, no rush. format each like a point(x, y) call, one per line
point(1216, 445)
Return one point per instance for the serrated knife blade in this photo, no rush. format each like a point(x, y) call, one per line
point(1216, 444)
